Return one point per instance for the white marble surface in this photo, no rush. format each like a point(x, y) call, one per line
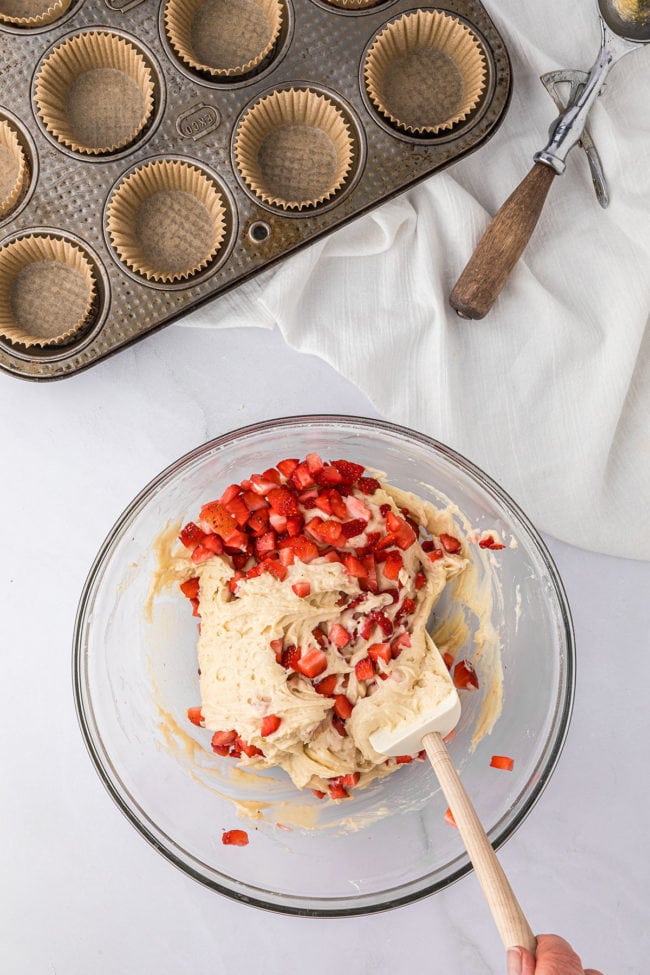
point(81, 891)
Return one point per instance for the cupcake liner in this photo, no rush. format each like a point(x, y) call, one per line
point(353, 4)
point(47, 291)
point(425, 72)
point(13, 169)
point(223, 38)
point(94, 92)
point(294, 149)
point(32, 13)
point(166, 221)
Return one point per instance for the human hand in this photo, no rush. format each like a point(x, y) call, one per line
point(555, 956)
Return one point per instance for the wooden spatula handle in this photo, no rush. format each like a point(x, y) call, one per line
point(502, 245)
point(508, 915)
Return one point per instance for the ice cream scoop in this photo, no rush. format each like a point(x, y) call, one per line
point(428, 730)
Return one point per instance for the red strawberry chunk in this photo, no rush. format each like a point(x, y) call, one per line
point(223, 738)
point(235, 837)
point(354, 566)
point(318, 793)
point(313, 527)
point(350, 779)
point(330, 532)
point(219, 519)
point(213, 543)
point(191, 535)
point(339, 635)
point(403, 759)
point(503, 762)
point(254, 502)
point(283, 501)
point(195, 716)
point(312, 664)
point(195, 609)
point(448, 659)
point(368, 485)
point(393, 565)
point(295, 524)
point(301, 589)
point(278, 522)
point(230, 493)
point(272, 475)
point(290, 657)
point(399, 643)
point(339, 725)
point(404, 534)
point(489, 542)
point(323, 502)
point(351, 529)
point(420, 580)
point(287, 556)
point(190, 588)
point(328, 476)
point(235, 580)
point(239, 509)
point(337, 791)
point(314, 463)
point(357, 509)
point(319, 636)
point(261, 485)
point(256, 570)
point(464, 676)
point(276, 647)
point(327, 686)
point(287, 467)
point(301, 478)
point(450, 543)
point(258, 522)
point(407, 608)
point(265, 543)
point(349, 472)
point(249, 750)
point(435, 555)
point(364, 669)
point(304, 549)
point(201, 554)
point(380, 651)
point(270, 723)
point(277, 569)
point(337, 504)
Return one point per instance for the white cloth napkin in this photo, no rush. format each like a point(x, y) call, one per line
point(550, 393)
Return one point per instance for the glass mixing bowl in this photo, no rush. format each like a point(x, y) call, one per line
point(135, 675)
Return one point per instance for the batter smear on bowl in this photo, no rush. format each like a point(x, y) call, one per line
point(314, 583)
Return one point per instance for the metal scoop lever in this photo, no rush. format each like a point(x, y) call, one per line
point(624, 25)
point(428, 730)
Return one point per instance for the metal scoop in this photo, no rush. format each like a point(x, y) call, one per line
point(428, 731)
point(624, 25)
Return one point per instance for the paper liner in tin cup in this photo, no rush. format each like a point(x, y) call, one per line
point(14, 171)
point(166, 220)
point(294, 148)
point(425, 72)
point(47, 291)
point(32, 13)
point(94, 92)
point(223, 38)
point(353, 4)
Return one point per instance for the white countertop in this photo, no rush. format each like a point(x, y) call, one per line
point(82, 893)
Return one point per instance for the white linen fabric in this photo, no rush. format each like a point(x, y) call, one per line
point(550, 393)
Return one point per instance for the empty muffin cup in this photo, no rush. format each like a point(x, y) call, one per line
point(425, 72)
point(14, 171)
point(223, 38)
point(94, 92)
point(294, 148)
point(166, 220)
point(32, 13)
point(47, 291)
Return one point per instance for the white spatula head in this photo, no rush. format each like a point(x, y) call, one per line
point(406, 737)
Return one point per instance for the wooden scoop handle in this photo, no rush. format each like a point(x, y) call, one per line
point(508, 915)
point(502, 245)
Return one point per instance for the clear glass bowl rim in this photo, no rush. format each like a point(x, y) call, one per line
point(101, 759)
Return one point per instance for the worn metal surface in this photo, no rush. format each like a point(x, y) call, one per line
point(195, 120)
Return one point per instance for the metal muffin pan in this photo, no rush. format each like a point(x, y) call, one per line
point(195, 119)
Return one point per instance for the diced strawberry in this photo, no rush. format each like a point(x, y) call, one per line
point(278, 522)
point(236, 542)
point(406, 609)
point(380, 651)
point(290, 657)
point(404, 534)
point(190, 588)
point(428, 545)
point(403, 759)
point(330, 532)
point(385, 625)
point(287, 556)
point(337, 791)
point(489, 542)
point(295, 525)
point(287, 467)
point(195, 715)
point(235, 837)
point(339, 725)
point(213, 544)
point(503, 762)
point(265, 544)
point(301, 589)
point(332, 556)
point(354, 566)
point(270, 723)
point(249, 750)
point(312, 664)
point(230, 493)
point(201, 554)
point(327, 685)
point(195, 607)
point(337, 504)
point(224, 750)
point(238, 507)
point(435, 555)
point(191, 535)
point(328, 476)
point(364, 669)
point(323, 503)
point(449, 818)
point(313, 527)
point(420, 580)
point(308, 496)
point(270, 474)
point(393, 565)
point(465, 676)
point(349, 472)
point(301, 477)
point(319, 636)
point(350, 779)
point(258, 522)
point(219, 519)
point(450, 543)
point(235, 580)
point(277, 569)
point(319, 794)
point(276, 647)
point(304, 549)
point(261, 485)
point(314, 463)
point(339, 635)
point(283, 501)
point(400, 643)
point(357, 509)
point(223, 738)
point(448, 659)
point(351, 529)
point(368, 485)
point(254, 502)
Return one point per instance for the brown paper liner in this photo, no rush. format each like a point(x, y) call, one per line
point(47, 291)
point(32, 13)
point(353, 4)
point(425, 72)
point(13, 169)
point(223, 38)
point(294, 149)
point(94, 92)
point(166, 221)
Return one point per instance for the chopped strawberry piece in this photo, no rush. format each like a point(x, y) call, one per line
point(404, 534)
point(223, 738)
point(435, 555)
point(313, 527)
point(234, 581)
point(283, 501)
point(236, 542)
point(277, 569)
point(314, 463)
point(337, 791)
point(295, 525)
point(502, 762)
point(354, 566)
point(256, 570)
point(191, 535)
point(190, 587)
point(428, 545)
point(195, 716)
point(393, 565)
point(465, 676)
point(312, 664)
point(422, 754)
point(328, 476)
point(339, 725)
point(238, 507)
point(403, 759)
point(249, 750)
point(349, 472)
point(272, 475)
point(308, 496)
point(337, 504)
point(330, 532)
point(287, 467)
point(489, 542)
point(420, 580)
point(254, 502)
point(449, 818)
point(323, 503)
point(301, 589)
point(276, 647)
point(287, 556)
point(318, 793)
point(235, 837)
point(258, 521)
point(380, 651)
point(384, 509)
point(350, 779)
point(327, 685)
point(364, 669)
point(351, 529)
point(301, 477)
point(270, 723)
point(195, 607)
point(219, 519)
point(382, 620)
point(339, 635)
point(265, 543)
point(342, 706)
point(290, 657)
point(230, 493)
point(448, 659)
point(319, 636)
point(400, 643)
point(201, 554)
point(261, 485)
point(224, 750)
point(357, 509)
point(213, 544)
point(407, 607)
point(368, 485)
point(450, 543)
point(332, 556)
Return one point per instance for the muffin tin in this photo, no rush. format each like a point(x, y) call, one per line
point(154, 155)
